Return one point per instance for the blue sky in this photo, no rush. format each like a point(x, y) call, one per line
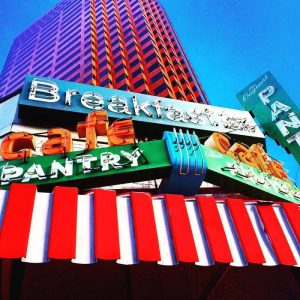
point(229, 43)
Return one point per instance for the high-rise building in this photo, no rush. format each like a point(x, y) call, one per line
point(122, 44)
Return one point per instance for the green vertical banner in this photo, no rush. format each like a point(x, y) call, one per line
point(274, 110)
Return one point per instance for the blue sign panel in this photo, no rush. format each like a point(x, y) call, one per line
point(47, 99)
point(8, 112)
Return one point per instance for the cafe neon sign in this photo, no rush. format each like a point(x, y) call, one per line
point(21, 145)
point(254, 156)
point(59, 165)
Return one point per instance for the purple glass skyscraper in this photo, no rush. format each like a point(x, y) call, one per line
point(122, 44)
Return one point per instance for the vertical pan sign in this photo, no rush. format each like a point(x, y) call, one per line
point(275, 111)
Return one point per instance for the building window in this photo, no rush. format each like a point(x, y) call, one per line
point(179, 95)
point(103, 64)
point(115, 51)
point(67, 75)
point(131, 45)
point(75, 77)
point(88, 78)
point(150, 57)
point(87, 69)
point(147, 49)
point(139, 83)
point(132, 54)
point(65, 68)
point(156, 77)
point(67, 59)
point(120, 78)
point(147, 39)
point(119, 68)
point(124, 87)
point(88, 59)
point(128, 38)
point(104, 73)
point(134, 63)
point(118, 58)
point(160, 89)
point(143, 33)
point(105, 82)
point(137, 72)
point(103, 54)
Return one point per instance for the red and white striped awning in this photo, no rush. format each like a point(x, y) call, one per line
point(139, 227)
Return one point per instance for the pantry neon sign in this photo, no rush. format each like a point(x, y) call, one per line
point(97, 167)
point(122, 161)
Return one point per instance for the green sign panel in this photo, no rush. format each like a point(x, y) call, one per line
point(179, 158)
point(232, 174)
point(191, 160)
point(275, 111)
point(95, 168)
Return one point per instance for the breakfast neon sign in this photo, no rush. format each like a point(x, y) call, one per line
point(44, 98)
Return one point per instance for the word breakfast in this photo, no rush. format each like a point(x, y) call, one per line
point(48, 91)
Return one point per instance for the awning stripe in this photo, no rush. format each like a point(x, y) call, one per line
point(214, 229)
point(85, 253)
point(245, 231)
point(15, 227)
point(199, 235)
point(293, 214)
point(165, 241)
point(107, 244)
point(288, 232)
point(144, 227)
point(140, 227)
point(263, 239)
point(231, 235)
point(181, 229)
point(128, 255)
point(3, 201)
point(62, 240)
point(37, 249)
point(276, 235)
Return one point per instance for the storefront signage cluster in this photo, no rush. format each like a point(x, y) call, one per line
point(222, 170)
point(180, 158)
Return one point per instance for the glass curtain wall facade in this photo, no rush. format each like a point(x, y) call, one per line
point(122, 44)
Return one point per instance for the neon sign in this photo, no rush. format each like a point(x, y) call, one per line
point(197, 162)
point(275, 111)
point(254, 156)
point(44, 98)
point(92, 168)
point(180, 159)
point(59, 164)
point(246, 179)
point(21, 145)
